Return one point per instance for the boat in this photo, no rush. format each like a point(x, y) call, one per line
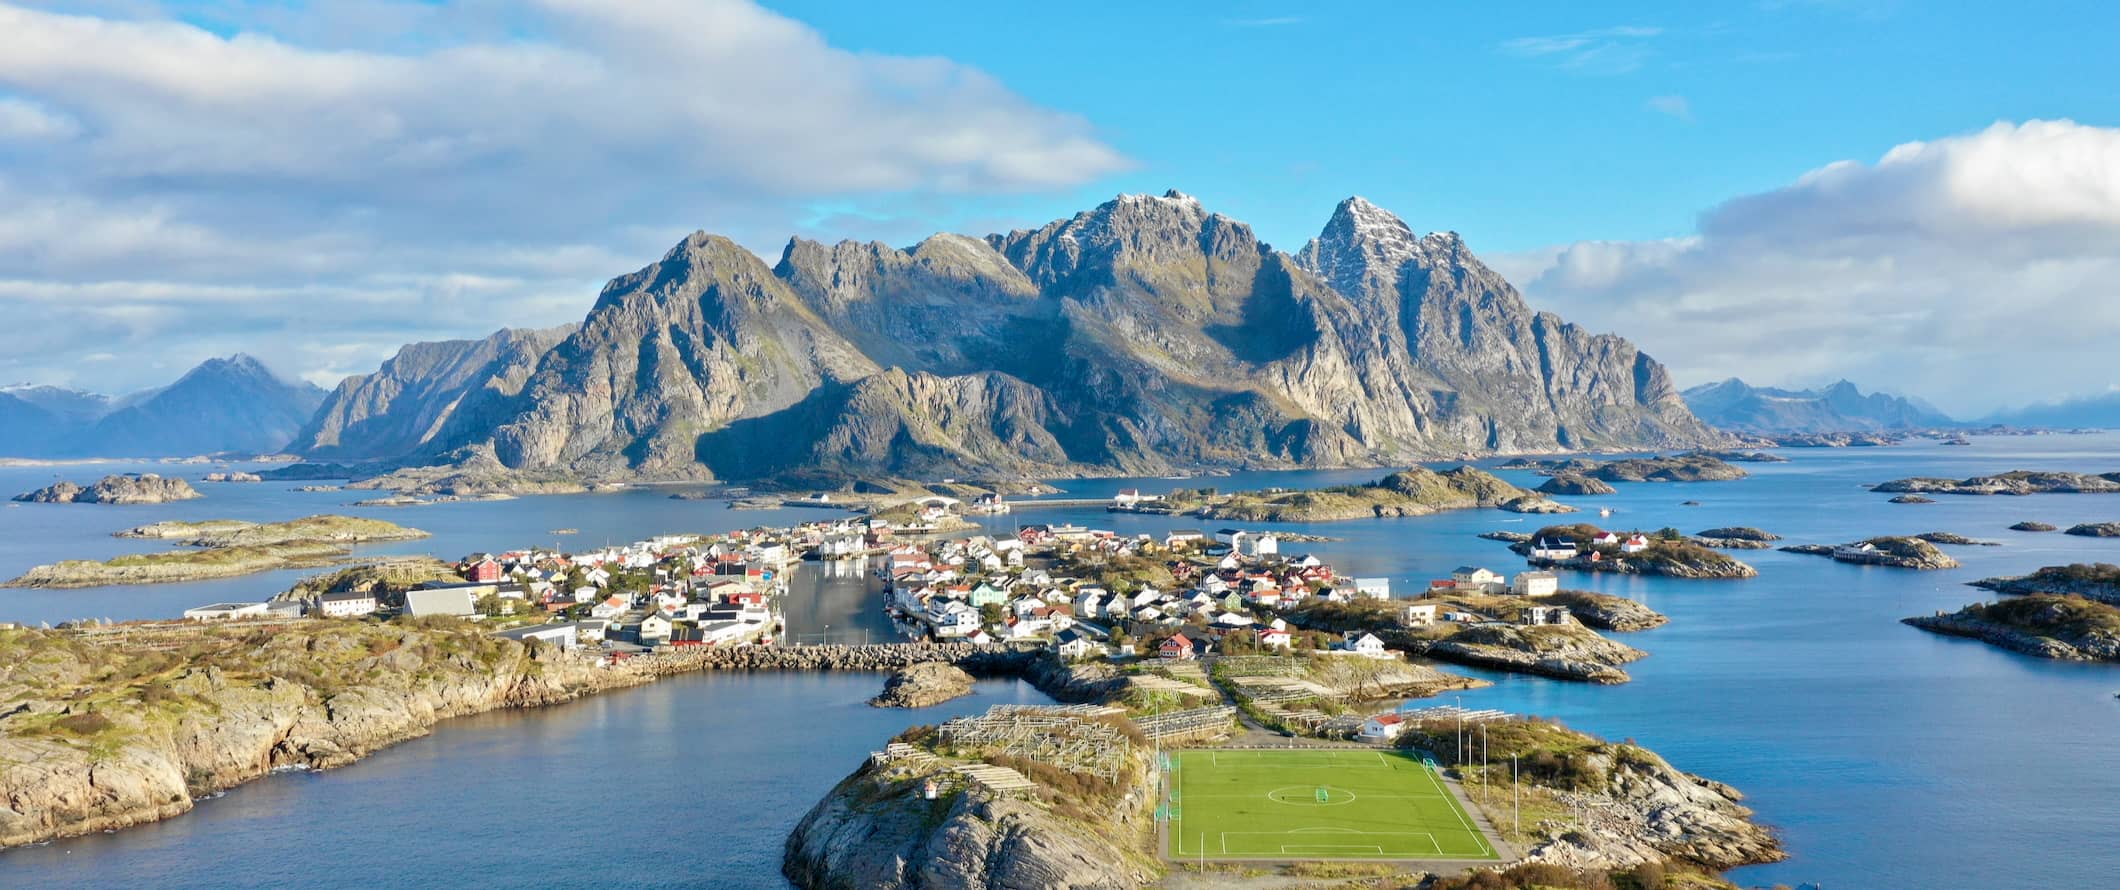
point(1607, 511)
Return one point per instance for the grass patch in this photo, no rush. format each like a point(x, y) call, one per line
point(1316, 805)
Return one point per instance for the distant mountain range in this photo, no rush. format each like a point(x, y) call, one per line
point(1144, 335)
point(232, 404)
point(1840, 408)
point(2102, 411)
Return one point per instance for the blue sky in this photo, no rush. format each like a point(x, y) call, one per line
point(1906, 194)
point(1273, 112)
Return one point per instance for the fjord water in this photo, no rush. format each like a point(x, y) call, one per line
point(1887, 757)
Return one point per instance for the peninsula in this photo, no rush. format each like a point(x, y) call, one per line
point(224, 549)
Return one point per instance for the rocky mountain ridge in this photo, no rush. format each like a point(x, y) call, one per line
point(234, 404)
point(1143, 335)
point(1839, 408)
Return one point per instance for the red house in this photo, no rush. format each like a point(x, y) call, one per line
point(486, 571)
point(1178, 646)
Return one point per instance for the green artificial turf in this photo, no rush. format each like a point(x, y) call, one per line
point(1263, 804)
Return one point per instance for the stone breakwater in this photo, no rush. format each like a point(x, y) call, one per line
point(1040, 668)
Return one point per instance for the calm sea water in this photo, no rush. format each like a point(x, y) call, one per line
point(1886, 756)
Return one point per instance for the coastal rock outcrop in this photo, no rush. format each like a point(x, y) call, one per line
point(923, 685)
point(2070, 628)
point(1912, 499)
point(126, 488)
point(1571, 484)
point(1735, 538)
point(1415, 492)
point(1891, 551)
point(1536, 505)
point(1607, 612)
point(246, 702)
point(2031, 526)
point(2099, 581)
point(2094, 530)
point(1558, 651)
point(2015, 482)
point(873, 833)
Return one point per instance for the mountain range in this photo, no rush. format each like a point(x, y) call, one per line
point(2100, 411)
point(1840, 408)
point(1144, 335)
point(233, 404)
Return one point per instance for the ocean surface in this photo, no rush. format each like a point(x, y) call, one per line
point(1885, 756)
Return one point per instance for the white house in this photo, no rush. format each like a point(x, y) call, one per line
point(1606, 539)
point(1418, 615)
point(1373, 588)
point(348, 604)
point(446, 601)
point(654, 628)
point(1634, 544)
point(1383, 727)
point(1558, 548)
point(1367, 645)
point(225, 611)
point(1543, 615)
point(1074, 645)
point(1536, 584)
point(565, 636)
point(1276, 637)
point(1474, 578)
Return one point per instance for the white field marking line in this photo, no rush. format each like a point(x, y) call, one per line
point(1332, 758)
point(1477, 837)
point(1300, 849)
point(1313, 802)
point(1224, 840)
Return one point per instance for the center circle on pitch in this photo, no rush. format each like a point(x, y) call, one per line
point(1307, 796)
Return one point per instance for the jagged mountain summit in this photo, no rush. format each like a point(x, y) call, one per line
point(1840, 408)
point(1143, 335)
point(224, 405)
point(428, 398)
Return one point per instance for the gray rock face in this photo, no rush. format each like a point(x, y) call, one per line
point(144, 488)
point(923, 685)
point(1142, 335)
point(427, 399)
point(1571, 484)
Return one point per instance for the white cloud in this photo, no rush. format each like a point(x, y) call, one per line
point(1975, 270)
point(1671, 106)
point(1615, 50)
point(370, 157)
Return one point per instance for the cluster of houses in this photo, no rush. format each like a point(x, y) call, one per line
point(986, 590)
point(1554, 549)
point(1474, 580)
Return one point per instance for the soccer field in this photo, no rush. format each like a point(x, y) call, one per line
point(1314, 804)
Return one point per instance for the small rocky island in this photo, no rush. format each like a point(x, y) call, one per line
point(1692, 466)
point(923, 685)
point(1736, 537)
point(1575, 485)
point(1415, 492)
point(1889, 551)
point(221, 548)
point(2070, 628)
point(2094, 530)
point(1587, 548)
point(2032, 526)
point(123, 488)
point(1496, 633)
point(2015, 482)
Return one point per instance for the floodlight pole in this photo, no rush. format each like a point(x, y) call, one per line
point(1516, 797)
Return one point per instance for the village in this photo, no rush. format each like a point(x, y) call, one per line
point(1083, 593)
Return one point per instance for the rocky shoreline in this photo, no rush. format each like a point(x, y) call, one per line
point(2092, 582)
point(2067, 628)
point(142, 488)
point(1556, 651)
point(1416, 492)
point(1607, 612)
point(1888, 551)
